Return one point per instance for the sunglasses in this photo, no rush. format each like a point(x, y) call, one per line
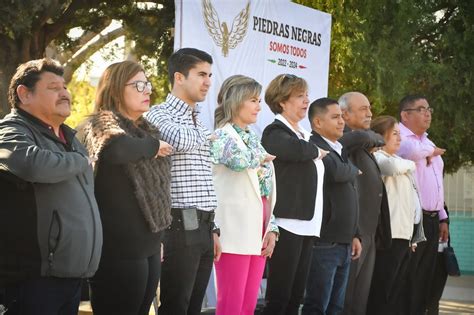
point(287, 77)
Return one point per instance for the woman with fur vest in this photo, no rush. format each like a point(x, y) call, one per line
point(132, 188)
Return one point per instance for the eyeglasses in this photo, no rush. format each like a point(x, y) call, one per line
point(422, 110)
point(141, 85)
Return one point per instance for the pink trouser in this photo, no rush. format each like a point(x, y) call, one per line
point(238, 282)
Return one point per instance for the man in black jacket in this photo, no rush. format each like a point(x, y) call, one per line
point(50, 228)
point(338, 243)
point(374, 216)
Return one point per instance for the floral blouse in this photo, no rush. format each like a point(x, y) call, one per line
point(226, 151)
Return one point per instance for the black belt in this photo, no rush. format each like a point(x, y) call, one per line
point(431, 214)
point(203, 216)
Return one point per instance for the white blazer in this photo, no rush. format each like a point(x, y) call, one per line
point(402, 197)
point(239, 212)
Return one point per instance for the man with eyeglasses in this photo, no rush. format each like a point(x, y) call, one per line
point(374, 216)
point(415, 116)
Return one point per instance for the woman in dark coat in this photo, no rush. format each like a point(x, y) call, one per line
point(132, 188)
point(299, 174)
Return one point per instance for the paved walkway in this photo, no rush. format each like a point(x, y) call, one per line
point(458, 296)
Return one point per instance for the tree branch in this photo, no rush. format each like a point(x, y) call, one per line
point(72, 64)
point(53, 30)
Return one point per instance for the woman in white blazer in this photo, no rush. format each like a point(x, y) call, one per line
point(245, 186)
point(405, 221)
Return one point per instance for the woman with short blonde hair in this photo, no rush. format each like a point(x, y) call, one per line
point(245, 188)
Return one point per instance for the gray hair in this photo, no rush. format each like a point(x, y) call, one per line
point(345, 100)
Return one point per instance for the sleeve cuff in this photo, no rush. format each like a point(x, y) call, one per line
point(443, 215)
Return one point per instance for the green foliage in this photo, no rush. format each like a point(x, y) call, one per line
point(29, 27)
point(387, 49)
point(83, 95)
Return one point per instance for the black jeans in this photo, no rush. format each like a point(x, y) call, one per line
point(44, 296)
point(125, 286)
point(188, 258)
point(287, 273)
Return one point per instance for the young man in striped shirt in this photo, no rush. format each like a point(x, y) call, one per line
point(191, 243)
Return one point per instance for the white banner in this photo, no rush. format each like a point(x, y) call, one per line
point(260, 39)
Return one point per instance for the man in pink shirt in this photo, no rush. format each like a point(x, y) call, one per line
point(415, 116)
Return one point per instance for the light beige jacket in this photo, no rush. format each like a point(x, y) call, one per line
point(402, 196)
point(239, 212)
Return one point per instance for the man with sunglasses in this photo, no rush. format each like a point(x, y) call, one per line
point(415, 116)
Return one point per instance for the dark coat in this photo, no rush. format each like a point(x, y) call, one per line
point(295, 171)
point(374, 215)
point(132, 186)
point(49, 221)
point(341, 207)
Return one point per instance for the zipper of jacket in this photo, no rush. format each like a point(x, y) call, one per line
point(91, 209)
point(93, 222)
point(52, 250)
point(73, 148)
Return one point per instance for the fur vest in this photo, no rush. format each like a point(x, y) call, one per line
point(150, 177)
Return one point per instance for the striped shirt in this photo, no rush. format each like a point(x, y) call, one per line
point(191, 171)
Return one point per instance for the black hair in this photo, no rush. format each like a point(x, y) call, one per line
point(184, 60)
point(28, 74)
point(320, 106)
point(408, 101)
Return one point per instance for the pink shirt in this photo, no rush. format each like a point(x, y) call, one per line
point(429, 177)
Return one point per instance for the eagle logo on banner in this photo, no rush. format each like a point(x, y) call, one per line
point(219, 32)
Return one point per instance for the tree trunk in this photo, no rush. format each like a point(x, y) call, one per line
point(8, 63)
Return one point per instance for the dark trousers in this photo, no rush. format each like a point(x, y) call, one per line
point(360, 278)
point(125, 286)
point(421, 268)
point(44, 296)
point(437, 287)
point(390, 273)
point(287, 273)
point(188, 258)
point(327, 279)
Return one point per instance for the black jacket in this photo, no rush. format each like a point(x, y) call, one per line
point(341, 208)
point(49, 221)
point(127, 176)
point(126, 234)
point(295, 172)
point(374, 216)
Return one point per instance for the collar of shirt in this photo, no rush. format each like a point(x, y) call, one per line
point(404, 131)
point(181, 107)
point(336, 146)
point(302, 132)
point(35, 119)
